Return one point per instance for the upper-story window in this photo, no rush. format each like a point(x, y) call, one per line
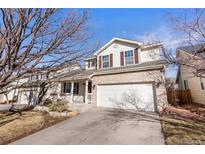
point(105, 61)
point(91, 63)
point(129, 57)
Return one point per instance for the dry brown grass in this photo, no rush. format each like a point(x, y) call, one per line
point(178, 131)
point(26, 124)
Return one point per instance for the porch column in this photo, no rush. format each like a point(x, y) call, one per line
point(72, 88)
point(86, 91)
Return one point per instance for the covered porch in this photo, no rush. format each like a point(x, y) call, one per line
point(76, 88)
point(76, 91)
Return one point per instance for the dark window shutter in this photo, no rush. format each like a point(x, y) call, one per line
point(99, 62)
point(136, 56)
point(63, 86)
point(111, 60)
point(122, 58)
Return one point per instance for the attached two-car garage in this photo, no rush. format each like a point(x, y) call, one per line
point(126, 96)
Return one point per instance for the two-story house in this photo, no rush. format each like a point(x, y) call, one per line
point(193, 58)
point(122, 74)
point(26, 89)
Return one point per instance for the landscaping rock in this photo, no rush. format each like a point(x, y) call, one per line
point(63, 114)
point(55, 113)
point(42, 108)
point(59, 114)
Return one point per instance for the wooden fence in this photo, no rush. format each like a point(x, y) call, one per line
point(179, 97)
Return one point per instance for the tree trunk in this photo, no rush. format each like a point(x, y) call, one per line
point(42, 93)
point(7, 99)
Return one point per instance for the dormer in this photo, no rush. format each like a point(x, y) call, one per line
point(91, 63)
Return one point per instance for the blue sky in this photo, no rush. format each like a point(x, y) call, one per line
point(129, 23)
point(139, 24)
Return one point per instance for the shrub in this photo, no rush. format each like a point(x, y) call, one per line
point(59, 106)
point(47, 102)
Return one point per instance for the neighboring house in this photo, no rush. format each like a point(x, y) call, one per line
point(171, 83)
point(122, 74)
point(13, 94)
point(27, 88)
point(186, 77)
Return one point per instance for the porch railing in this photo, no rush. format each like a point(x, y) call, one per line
point(89, 98)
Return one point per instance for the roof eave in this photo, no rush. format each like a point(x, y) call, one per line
point(117, 39)
point(143, 68)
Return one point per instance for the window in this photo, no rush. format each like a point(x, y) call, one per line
point(76, 88)
point(93, 63)
point(105, 60)
point(89, 87)
point(202, 85)
point(34, 77)
point(41, 76)
point(66, 87)
point(47, 75)
point(129, 57)
point(89, 64)
point(186, 84)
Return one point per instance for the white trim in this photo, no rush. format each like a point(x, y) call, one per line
point(72, 88)
point(133, 51)
point(139, 58)
point(147, 46)
point(90, 58)
point(117, 39)
point(139, 55)
point(108, 61)
point(86, 91)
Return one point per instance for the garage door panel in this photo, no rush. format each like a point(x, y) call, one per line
point(126, 96)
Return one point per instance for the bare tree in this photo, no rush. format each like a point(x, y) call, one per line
point(189, 24)
point(40, 40)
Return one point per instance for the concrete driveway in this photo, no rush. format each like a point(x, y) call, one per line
point(101, 126)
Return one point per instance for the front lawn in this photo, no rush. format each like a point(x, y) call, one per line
point(14, 127)
point(178, 129)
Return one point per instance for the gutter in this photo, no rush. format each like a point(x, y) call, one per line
point(126, 70)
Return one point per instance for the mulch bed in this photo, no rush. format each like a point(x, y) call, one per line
point(184, 124)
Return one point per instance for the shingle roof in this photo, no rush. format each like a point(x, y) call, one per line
point(90, 57)
point(136, 67)
point(78, 74)
point(81, 74)
point(193, 49)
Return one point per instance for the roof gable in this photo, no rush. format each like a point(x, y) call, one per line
point(193, 48)
point(115, 40)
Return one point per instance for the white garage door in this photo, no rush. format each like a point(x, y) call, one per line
point(126, 96)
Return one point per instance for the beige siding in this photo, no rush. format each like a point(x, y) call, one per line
point(186, 73)
point(134, 77)
point(117, 47)
point(198, 95)
point(150, 54)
